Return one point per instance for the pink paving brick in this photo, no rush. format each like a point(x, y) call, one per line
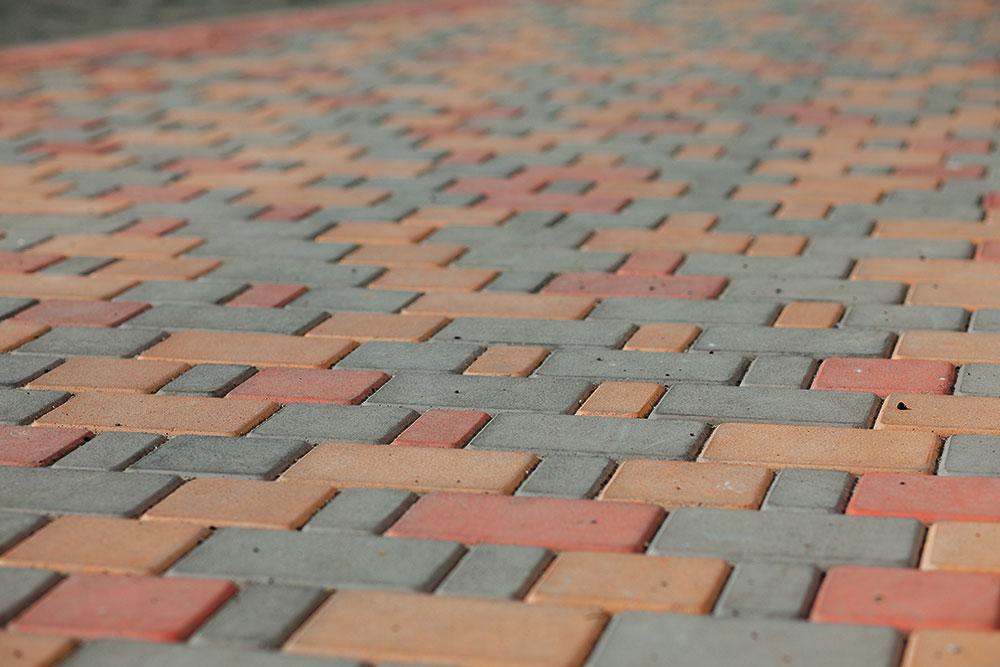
point(149, 227)
point(159, 194)
point(37, 446)
point(25, 262)
point(909, 599)
point(443, 428)
point(611, 285)
point(268, 295)
point(991, 200)
point(289, 213)
point(146, 608)
point(988, 251)
point(311, 385)
point(651, 264)
point(554, 523)
point(69, 312)
point(885, 376)
point(927, 498)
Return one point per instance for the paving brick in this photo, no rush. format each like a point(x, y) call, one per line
point(82, 374)
point(810, 314)
point(778, 371)
point(685, 311)
point(170, 268)
point(254, 349)
point(259, 616)
point(118, 246)
point(535, 332)
point(483, 304)
point(965, 295)
point(925, 497)
point(971, 455)
point(131, 607)
point(611, 285)
point(92, 342)
point(662, 337)
point(318, 423)
point(527, 255)
point(291, 385)
point(809, 491)
point(355, 299)
point(43, 286)
point(98, 544)
point(208, 380)
point(952, 346)
point(408, 255)
point(20, 406)
point(691, 641)
point(173, 317)
point(110, 450)
point(394, 356)
point(268, 295)
point(768, 590)
point(565, 476)
point(636, 365)
point(802, 288)
point(903, 318)
point(497, 571)
point(652, 263)
point(80, 491)
point(962, 545)
point(319, 558)
point(913, 270)
point(217, 456)
point(36, 446)
point(908, 599)
point(33, 649)
point(308, 272)
point(722, 265)
point(672, 484)
point(509, 361)
point(181, 291)
point(943, 415)
point(554, 523)
point(419, 469)
point(442, 428)
point(14, 527)
point(379, 326)
point(817, 343)
point(19, 588)
point(794, 446)
point(885, 376)
point(790, 537)
point(14, 335)
point(951, 647)
point(880, 247)
point(80, 313)
point(622, 399)
point(106, 651)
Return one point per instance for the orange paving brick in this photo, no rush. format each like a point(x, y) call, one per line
point(152, 227)
point(483, 304)
point(885, 376)
point(14, 335)
point(613, 285)
point(45, 286)
point(387, 627)
point(858, 451)
point(776, 245)
point(811, 314)
point(80, 374)
point(673, 484)
point(650, 264)
point(440, 216)
point(631, 582)
point(141, 247)
point(553, 523)
point(35, 446)
point(951, 648)
point(434, 279)
point(372, 233)
point(622, 399)
point(21, 650)
point(169, 415)
point(942, 415)
point(928, 498)
point(912, 270)
point(405, 255)
point(701, 222)
point(962, 545)
point(311, 385)
point(243, 503)
point(936, 229)
point(260, 350)
point(956, 347)
point(125, 607)
point(662, 337)
point(678, 240)
point(963, 295)
point(379, 326)
point(420, 469)
point(68, 312)
point(908, 599)
point(508, 360)
point(99, 544)
point(170, 268)
point(442, 428)
point(268, 295)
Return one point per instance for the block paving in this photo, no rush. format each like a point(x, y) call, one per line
point(525, 332)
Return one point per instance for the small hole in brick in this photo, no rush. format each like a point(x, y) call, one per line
point(902, 406)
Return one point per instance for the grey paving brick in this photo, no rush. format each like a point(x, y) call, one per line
point(354, 299)
point(612, 437)
point(395, 356)
point(330, 560)
point(225, 318)
point(482, 392)
point(23, 406)
point(640, 640)
point(81, 491)
point(246, 247)
point(12, 305)
point(496, 571)
point(519, 281)
point(102, 653)
point(508, 235)
point(259, 616)
point(362, 511)
point(370, 424)
point(531, 257)
point(985, 319)
point(112, 450)
point(182, 291)
point(208, 380)
point(728, 265)
point(498, 330)
point(689, 311)
point(662, 367)
point(92, 342)
point(978, 380)
point(20, 587)
point(77, 266)
point(809, 490)
point(771, 405)
point(770, 590)
point(18, 370)
point(15, 527)
point(307, 272)
point(801, 288)
point(869, 247)
point(790, 537)
point(903, 318)
point(971, 455)
point(565, 476)
point(796, 340)
point(780, 371)
point(220, 456)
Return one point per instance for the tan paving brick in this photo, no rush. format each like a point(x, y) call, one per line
point(688, 484)
point(81, 374)
point(248, 348)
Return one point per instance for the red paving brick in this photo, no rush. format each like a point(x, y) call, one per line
point(927, 498)
point(81, 313)
point(442, 428)
point(605, 285)
point(37, 446)
point(885, 376)
point(272, 295)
